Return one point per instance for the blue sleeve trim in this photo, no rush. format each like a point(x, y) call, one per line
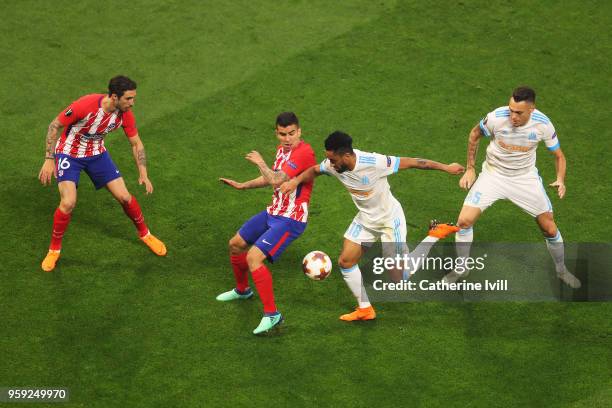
point(397, 163)
point(555, 147)
point(484, 130)
point(322, 168)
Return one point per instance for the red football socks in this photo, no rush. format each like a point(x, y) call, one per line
point(132, 210)
point(241, 271)
point(60, 223)
point(263, 282)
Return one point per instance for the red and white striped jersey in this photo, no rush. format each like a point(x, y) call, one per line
point(292, 163)
point(86, 124)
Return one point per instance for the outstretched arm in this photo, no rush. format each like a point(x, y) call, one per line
point(274, 178)
point(255, 183)
point(140, 158)
point(424, 164)
point(304, 177)
point(560, 165)
point(48, 167)
point(470, 173)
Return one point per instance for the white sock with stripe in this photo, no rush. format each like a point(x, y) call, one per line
point(463, 242)
point(352, 277)
point(557, 251)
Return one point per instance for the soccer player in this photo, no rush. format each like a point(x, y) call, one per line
point(86, 122)
point(380, 215)
point(509, 172)
point(267, 234)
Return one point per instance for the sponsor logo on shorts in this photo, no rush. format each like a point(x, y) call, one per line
point(388, 161)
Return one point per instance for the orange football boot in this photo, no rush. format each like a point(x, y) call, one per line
point(441, 230)
point(154, 244)
point(360, 313)
point(48, 264)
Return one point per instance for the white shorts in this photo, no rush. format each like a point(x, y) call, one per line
point(393, 231)
point(525, 190)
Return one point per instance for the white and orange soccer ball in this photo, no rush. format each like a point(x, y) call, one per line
point(317, 265)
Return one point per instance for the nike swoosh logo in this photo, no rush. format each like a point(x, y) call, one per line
point(265, 242)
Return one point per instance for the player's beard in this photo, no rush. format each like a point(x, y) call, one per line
point(342, 168)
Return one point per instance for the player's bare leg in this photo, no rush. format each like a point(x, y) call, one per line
point(554, 243)
point(61, 219)
point(237, 245)
point(463, 239)
point(238, 248)
point(263, 282)
point(349, 265)
point(132, 209)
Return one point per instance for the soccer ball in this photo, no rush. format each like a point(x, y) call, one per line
point(317, 265)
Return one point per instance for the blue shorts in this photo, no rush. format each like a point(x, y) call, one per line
point(271, 233)
point(100, 169)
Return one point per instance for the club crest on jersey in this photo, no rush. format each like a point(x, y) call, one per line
point(292, 164)
point(68, 112)
point(532, 136)
point(365, 180)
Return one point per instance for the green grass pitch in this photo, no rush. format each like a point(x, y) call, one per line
point(123, 328)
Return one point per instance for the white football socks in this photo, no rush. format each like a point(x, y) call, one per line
point(352, 277)
point(416, 258)
point(463, 242)
point(557, 251)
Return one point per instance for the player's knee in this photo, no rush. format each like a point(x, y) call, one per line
point(254, 259)
point(549, 230)
point(236, 245)
point(547, 225)
point(67, 205)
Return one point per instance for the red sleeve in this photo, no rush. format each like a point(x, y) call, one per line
point(76, 111)
point(129, 124)
point(300, 161)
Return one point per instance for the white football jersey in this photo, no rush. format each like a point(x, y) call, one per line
point(368, 186)
point(512, 150)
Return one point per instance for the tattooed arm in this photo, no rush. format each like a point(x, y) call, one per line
point(470, 173)
point(140, 158)
point(274, 178)
point(48, 167)
point(424, 164)
point(255, 183)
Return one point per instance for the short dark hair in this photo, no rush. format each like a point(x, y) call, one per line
point(339, 143)
point(285, 119)
point(524, 93)
point(119, 84)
